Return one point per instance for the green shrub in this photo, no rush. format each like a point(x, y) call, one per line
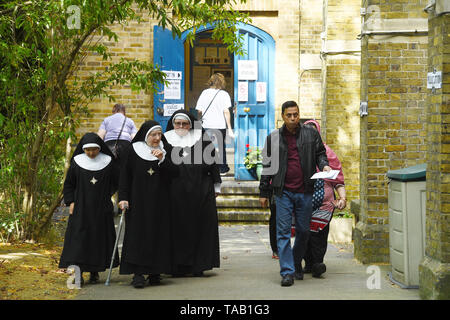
point(342, 214)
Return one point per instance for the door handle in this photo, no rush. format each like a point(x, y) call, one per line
point(160, 111)
point(246, 109)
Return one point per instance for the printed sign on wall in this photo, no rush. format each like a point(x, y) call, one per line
point(434, 80)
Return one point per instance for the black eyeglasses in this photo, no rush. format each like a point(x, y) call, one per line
point(181, 124)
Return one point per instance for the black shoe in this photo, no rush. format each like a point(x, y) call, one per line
point(318, 269)
point(178, 275)
point(298, 273)
point(154, 279)
point(93, 278)
point(287, 281)
point(138, 281)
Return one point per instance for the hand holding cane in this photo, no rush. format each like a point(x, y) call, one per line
point(116, 244)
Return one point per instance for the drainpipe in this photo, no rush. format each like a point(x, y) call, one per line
point(299, 50)
point(392, 32)
point(323, 57)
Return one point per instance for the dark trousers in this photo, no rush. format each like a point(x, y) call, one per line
point(121, 146)
point(273, 226)
point(218, 136)
point(301, 205)
point(317, 246)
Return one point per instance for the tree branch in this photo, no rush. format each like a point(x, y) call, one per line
point(16, 7)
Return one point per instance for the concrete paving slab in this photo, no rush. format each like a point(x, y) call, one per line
point(18, 255)
point(248, 272)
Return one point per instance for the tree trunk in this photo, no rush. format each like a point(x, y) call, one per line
point(45, 222)
point(33, 163)
point(30, 181)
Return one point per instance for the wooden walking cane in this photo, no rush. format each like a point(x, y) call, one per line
point(115, 246)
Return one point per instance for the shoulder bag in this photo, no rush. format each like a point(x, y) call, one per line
point(114, 149)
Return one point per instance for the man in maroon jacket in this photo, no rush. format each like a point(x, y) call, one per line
point(290, 157)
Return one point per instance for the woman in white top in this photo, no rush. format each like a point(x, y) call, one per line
point(212, 108)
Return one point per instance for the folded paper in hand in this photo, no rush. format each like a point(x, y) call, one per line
point(332, 174)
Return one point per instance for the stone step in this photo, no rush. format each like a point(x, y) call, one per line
point(247, 215)
point(238, 201)
point(231, 186)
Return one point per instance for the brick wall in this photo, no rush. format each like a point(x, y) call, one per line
point(135, 42)
point(438, 143)
point(310, 76)
point(280, 20)
point(435, 268)
point(341, 103)
point(393, 135)
point(286, 37)
point(295, 27)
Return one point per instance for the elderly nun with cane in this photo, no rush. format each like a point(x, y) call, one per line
point(143, 189)
point(90, 235)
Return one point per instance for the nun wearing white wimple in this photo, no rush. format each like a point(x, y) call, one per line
point(143, 188)
point(90, 235)
point(195, 231)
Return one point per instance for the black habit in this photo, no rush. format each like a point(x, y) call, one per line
point(195, 235)
point(144, 183)
point(90, 183)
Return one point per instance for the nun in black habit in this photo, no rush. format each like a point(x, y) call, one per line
point(143, 187)
point(195, 234)
point(90, 182)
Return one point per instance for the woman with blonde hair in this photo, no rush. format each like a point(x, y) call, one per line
point(217, 81)
point(213, 109)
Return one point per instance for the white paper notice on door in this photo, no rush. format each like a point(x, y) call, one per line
point(242, 91)
point(169, 108)
point(172, 90)
point(247, 69)
point(261, 91)
point(173, 75)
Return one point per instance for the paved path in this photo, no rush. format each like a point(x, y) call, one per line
point(248, 272)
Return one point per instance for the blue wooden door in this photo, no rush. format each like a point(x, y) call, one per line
point(255, 115)
point(168, 54)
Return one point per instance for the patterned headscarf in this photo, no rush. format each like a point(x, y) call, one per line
point(333, 160)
